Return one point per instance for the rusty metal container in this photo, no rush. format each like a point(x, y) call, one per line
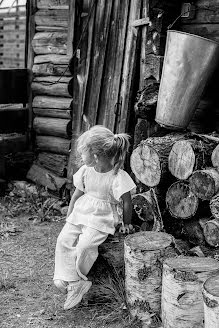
point(188, 63)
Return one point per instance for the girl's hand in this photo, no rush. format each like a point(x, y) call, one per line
point(126, 228)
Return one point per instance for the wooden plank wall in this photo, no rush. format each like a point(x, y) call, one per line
point(205, 23)
point(12, 37)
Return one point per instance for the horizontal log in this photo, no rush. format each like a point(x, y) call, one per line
point(52, 126)
point(53, 144)
point(54, 59)
point(44, 28)
point(51, 102)
point(53, 162)
point(51, 69)
point(52, 112)
point(46, 178)
point(52, 17)
point(52, 4)
point(51, 85)
point(50, 42)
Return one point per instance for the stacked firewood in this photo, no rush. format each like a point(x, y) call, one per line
point(177, 179)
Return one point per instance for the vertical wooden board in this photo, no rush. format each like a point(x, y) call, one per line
point(101, 29)
point(79, 89)
point(113, 64)
point(144, 31)
point(128, 67)
point(71, 25)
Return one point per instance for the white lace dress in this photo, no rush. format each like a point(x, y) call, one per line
point(99, 207)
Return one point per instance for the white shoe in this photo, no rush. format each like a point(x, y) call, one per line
point(76, 292)
point(61, 285)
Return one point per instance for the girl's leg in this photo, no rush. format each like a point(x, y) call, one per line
point(87, 249)
point(66, 253)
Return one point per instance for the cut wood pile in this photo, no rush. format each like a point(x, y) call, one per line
point(177, 178)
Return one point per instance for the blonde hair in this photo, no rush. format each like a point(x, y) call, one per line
point(103, 142)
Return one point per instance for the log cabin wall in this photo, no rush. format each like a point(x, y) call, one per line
point(51, 100)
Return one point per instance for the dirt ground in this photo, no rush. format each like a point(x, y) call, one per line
point(28, 297)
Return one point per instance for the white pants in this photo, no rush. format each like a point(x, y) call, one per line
point(76, 251)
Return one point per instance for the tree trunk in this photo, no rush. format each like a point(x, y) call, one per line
point(40, 175)
point(53, 144)
point(181, 201)
point(182, 304)
point(144, 253)
point(211, 302)
point(205, 183)
point(211, 232)
point(149, 160)
point(53, 162)
point(52, 126)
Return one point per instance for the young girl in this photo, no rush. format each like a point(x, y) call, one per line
point(100, 185)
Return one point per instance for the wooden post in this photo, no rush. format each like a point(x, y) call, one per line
point(182, 304)
point(211, 302)
point(144, 253)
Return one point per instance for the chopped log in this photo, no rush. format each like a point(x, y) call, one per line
point(51, 85)
point(182, 304)
point(52, 17)
point(50, 69)
point(51, 102)
point(215, 157)
point(53, 144)
point(211, 232)
point(52, 126)
point(53, 162)
point(52, 112)
point(44, 177)
point(210, 294)
point(181, 201)
point(193, 232)
point(149, 160)
point(188, 155)
point(52, 58)
point(214, 206)
point(205, 183)
point(144, 253)
point(50, 42)
point(146, 101)
point(153, 66)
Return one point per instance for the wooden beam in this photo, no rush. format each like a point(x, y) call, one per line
point(71, 25)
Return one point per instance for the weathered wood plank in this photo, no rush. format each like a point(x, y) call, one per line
point(53, 144)
point(144, 32)
point(71, 26)
point(82, 68)
point(114, 58)
point(129, 66)
point(102, 25)
point(48, 42)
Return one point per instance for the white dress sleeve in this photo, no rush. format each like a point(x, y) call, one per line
point(122, 184)
point(78, 178)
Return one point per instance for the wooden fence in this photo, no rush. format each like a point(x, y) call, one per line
point(12, 36)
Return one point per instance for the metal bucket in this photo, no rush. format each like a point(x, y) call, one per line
point(188, 63)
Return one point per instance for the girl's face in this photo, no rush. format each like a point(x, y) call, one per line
point(88, 158)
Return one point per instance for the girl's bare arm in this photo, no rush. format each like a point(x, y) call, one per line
point(77, 193)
